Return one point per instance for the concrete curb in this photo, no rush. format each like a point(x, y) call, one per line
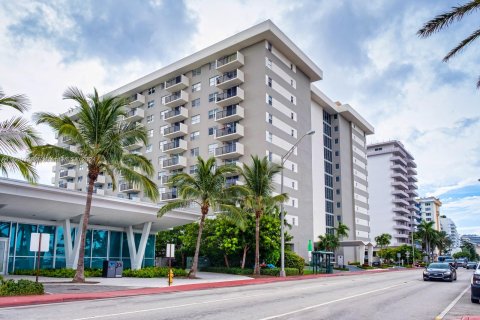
point(68, 297)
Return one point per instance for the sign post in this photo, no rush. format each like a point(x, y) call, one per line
point(310, 249)
point(170, 255)
point(39, 242)
point(398, 256)
point(408, 255)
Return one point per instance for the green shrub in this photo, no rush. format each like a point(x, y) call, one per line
point(153, 272)
point(1, 279)
point(293, 260)
point(20, 288)
point(341, 269)
point(59, 273)
point(226, 270)
point(354, 263)
point(276, 272)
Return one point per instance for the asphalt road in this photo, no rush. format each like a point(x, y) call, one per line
point(393, 295)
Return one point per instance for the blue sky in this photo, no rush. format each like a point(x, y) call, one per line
point(368, 50)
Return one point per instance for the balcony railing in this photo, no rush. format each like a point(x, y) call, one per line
point(173, 163)
point(230, 62)
point(234, 113)
point(175, 131)
point(176, 146)
point(166, 196)
point(176, 115)
point(230, 79)
point(231, 96)
point(229, 133)
point(136, 100)
point(176, 99)
point(229, 151)
point(177, 83)
point(128, 187)
point(135, 115)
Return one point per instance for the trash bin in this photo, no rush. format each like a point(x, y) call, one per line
point(118, 269)
point(108, 270)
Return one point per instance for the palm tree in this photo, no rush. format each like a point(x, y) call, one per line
point(444, 20)
point(383, 240)
point(328, 242)
point(100, 135)
point(426, 232)
point(16, 134)
point(206, 188)
point(442, 241)
point(342, 231)
point(257, 194)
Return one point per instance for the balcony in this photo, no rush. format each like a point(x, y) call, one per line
point(400, 184)
point(412, 179)
point(174, 163)
point(400, 193)
point(67, 140)
point(135, 115)
point(234, 164)
point(229, 151)
point(412, 185)
point(99, 192)
point(399, 159)
point(229, 133)
point(178, 83)
point(176, 115)
point(230, 79)
point(413, 193)
point(169, 196)
point(129, 187)
point(135, 145)
point(399, 176)
point(70, 173)
point(231, 96)
point(175, 131)
point(399, 201)
point(232, 114)
point(401, 236)
point(401, 209)
point(402, 227)
point(176, 99)
point(165, 180)
point(67, 185)
point(100, 180)
point(136, 100)
point(412, 171)
point(230, 62)
point(67, 163)
point(399, 167)
point(174, 147)
point(401, 218)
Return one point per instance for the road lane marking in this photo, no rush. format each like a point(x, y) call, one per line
point(169, 307)
point(451, 305)
point(333, 301)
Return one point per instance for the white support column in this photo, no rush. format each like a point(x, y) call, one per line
point(361, 254)
point(137, 254)
point(71, 253)
point(76, 245)
point(370, 254)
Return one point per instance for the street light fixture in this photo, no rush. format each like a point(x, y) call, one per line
point(282, 227)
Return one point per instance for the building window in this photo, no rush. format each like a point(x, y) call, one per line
point(337, 191)
point(270, 156)
point(212, 65)
point(337, 166)
point(80, 179)
point(269, 63)
point(196, 87)
point(213, 81)
point(162, 114)
point(293, 184)
point(110, 185)
point(336, 141)
point(151, 104)
point(196, 72)
point(269, 46)
point(195, 119)
point(337, 178)
point(148, 148)
point(292, 99)
point(269, 82)
point(336, 128)
point(212, 97)
point(211, 113)
point(293, 133)
point(337, 153)
point(293, 167)
point(293, 202)
point(150, 133)
point(335, 116)
point(151, 90)
point(150, 118)
point(194, 135)
point(269, 137)
point(270, 118)
point(269, 100)
point(292, 116)
point(193, 169)
point(211, 131)
point(196, 103)
point(194, 152)
point(211, 148)
point(338, 205)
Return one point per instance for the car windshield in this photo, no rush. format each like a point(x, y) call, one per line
point(438, 266)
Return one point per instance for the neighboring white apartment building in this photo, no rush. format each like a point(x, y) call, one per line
point(392, 182)
point(430, 210)
point(447, 225)
point(250, 94)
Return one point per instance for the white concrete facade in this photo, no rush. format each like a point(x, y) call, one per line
point(447, 225)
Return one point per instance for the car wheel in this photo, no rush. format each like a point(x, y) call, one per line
point(474, 300)
point(425, 279)
point(451, 279)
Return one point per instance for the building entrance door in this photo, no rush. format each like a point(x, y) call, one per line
point(3, 255)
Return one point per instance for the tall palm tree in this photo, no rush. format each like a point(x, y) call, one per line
point(101, 136)
point(328, 242)
point(342, 231)
point(442, 242)
point(206, 188)
point(15, 135)
point(444, 20)
point(257, 194)
point(426, 232)
point(383, 240)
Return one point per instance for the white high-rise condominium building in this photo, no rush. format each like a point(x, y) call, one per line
point(430, 210)
point(447, 225)
point(392, 182)
point(250, 94)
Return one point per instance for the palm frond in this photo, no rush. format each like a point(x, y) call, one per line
point(445, 19)
point(18, 102)
point(16, 134)
point(50, 152)
point(149, 187)
point(138, 161)
point(176, 204)
point(462, 45)
point(26, 169)
point(234, 214)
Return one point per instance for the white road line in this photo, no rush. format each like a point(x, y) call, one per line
point(332, 301)
point(451, 305)
point(170, 307)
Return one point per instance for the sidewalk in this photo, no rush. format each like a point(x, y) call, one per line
point(124, 287)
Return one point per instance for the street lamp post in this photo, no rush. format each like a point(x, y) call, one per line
point(282, 227)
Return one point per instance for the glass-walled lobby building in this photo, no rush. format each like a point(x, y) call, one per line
point(119, 229)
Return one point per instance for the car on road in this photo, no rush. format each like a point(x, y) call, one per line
point(462, 262)
point(439, 271)
point(472, 265)
point(452, 262)
point(475, 285)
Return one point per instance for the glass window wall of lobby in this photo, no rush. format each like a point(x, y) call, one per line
point(100, 245)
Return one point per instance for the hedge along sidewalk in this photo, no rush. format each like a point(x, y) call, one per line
point(67, 297)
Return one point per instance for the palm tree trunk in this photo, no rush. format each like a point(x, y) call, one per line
point(225, 257)
point(193, 270)
point(257, 243)
point(245, 249)
point(80, 273)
